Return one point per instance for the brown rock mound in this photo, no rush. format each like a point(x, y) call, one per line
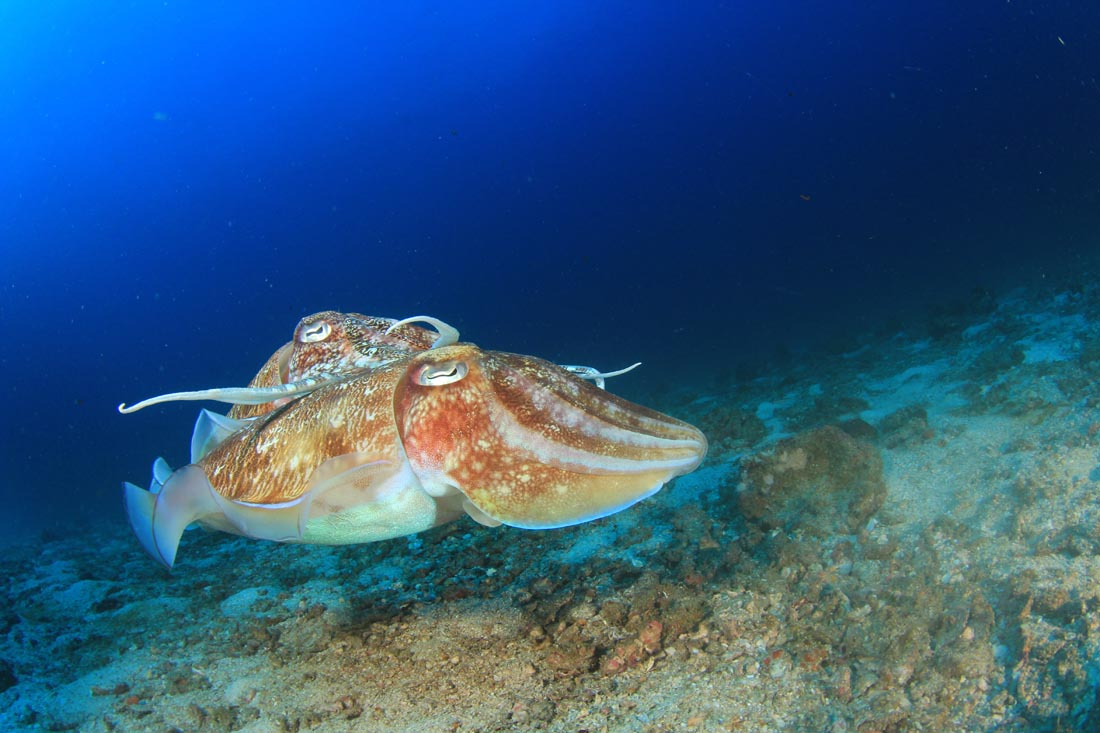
point(822, 481)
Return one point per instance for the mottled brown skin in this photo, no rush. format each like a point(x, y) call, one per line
point(531, 444)
point(272, 459)
point(354, 342)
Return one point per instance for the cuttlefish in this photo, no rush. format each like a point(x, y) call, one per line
point(412, 440)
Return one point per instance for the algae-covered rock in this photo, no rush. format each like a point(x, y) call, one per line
point(905, 427)
point(823, 481)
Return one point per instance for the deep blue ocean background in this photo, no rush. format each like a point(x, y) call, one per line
point(692, 185)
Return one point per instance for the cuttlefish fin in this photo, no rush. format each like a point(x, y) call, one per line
point(159, 518)
point(139, 508)
point(210, 430)
point(277, 522)
point(161, 472)
point(573, 499)
point(479, 516)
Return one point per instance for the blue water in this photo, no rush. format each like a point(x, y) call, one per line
point(686, 184)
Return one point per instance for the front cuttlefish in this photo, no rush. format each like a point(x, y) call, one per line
point(417, 442)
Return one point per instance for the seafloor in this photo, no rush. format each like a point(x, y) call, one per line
point(895, 533)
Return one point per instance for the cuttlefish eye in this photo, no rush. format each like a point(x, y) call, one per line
point(315, 332)
point(447, 372)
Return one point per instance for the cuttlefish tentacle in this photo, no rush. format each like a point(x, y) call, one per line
point(587, 372)
point(448, 334)
point(237, 395)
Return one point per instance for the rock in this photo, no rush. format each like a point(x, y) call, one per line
point(243, 604)
point(859, 429)
point(907, 426)
point(823, 481)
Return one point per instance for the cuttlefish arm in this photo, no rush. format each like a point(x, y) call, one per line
point(598, 377)
point(448, 335)
point(236, 395)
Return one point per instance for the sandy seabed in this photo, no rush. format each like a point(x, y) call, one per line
point(897, 533)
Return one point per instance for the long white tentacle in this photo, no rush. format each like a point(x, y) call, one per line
point(587, 372)
point(238, 395)
point(448, 334)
